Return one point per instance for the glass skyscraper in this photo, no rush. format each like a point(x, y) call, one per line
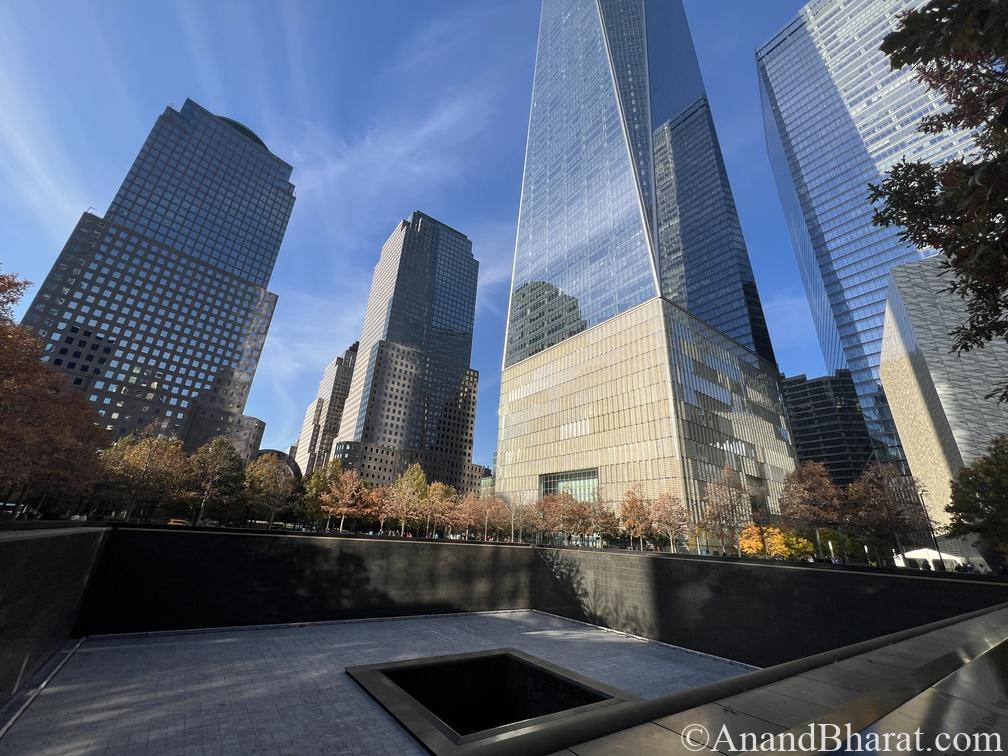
point(827, 425)
point(158, 311)
point(623, 163)
point(636, 352)
point(412, 397)
point(322, 418)
point(836, 118)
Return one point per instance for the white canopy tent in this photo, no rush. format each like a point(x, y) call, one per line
point(928, 555)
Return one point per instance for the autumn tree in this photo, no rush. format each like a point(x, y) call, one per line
point(50, 442)
point(602, 521)
point(727, 508)
point(959, 207)
point(767, 542)
point(492, 513)
point(270, 483)
point(378, 505)
point(438, 507)
point(470, 513)
point(635, 515)
point(670, 518)
point(886, 504)
point(979, 503)
point(516, 512)
point(144, 471)
point(322, 480)
point(216, 474)
point(546, 514)
point(572, 516)
point(809, 498)
point(520, 517)
point(345, 495)
point(407, 495)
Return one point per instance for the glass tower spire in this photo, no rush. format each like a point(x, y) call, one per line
point(623, 164)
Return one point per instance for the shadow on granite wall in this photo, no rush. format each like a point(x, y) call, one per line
point(174, 579)
point(44, 574)
point(597, 591)
point(758, 613)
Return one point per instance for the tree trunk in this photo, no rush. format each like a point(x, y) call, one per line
point(819, 551)
point(402, 528)
point(342, 519)
point(202, 506)
point(328, 520)
point(129, 507)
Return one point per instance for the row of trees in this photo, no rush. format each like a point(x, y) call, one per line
point(882, 507)
point(149, 476)
point(410, 505)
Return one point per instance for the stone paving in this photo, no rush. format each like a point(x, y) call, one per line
point(282, 690)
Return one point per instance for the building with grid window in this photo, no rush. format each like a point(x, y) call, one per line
point(938, 397)
point(322, 418)
point(412, 397)
point(827, 425)
point(158, 311)
point(636, 352)
point(836, 118)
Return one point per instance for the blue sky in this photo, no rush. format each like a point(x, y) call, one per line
point(382, 108)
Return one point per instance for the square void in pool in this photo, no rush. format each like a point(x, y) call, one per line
point(451, 701)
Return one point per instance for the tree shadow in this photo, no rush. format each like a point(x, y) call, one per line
point(563, 585)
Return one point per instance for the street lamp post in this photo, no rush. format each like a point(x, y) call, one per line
point(934, 538)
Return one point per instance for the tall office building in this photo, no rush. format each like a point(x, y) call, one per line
point(836, 118)
point(158, 311)
point(827, 425)
point(937, 396)
point(322, 418)
point(636, 349)
point(412, 397)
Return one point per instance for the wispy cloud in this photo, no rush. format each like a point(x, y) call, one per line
point(395, 157)
point(39, 176)
point(198, 38)
point(306, 333)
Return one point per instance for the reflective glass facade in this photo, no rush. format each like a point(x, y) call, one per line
point(152, 327)
point(625, 195)
point(827, 425)
point(581, 484)
point(836, 118)
point(412, 397)
point(208, 186)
